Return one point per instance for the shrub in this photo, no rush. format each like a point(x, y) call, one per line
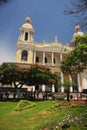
point(24, 104)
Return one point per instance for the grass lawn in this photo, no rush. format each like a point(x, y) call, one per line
point(45, 114)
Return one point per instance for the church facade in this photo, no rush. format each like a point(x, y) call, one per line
point(28, 51)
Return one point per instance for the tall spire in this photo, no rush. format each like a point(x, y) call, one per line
point(56, 39)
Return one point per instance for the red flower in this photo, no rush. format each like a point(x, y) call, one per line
point(51, 80)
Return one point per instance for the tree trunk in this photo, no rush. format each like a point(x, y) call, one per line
point(68, 94)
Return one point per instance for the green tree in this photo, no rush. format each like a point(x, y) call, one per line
point(81, 40)
point(19, 75)
point(6, 73)
point(30, 75)
point(76, 60)
point(13, 74)
point(79, 9)
point(39, 75)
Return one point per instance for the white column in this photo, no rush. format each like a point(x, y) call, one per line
point(79, 84)
point(43, 87)
point(0, 84)
point(61, 75)
point(33, 87)
point(62, 81)
point(23, 35)
point(19, 55)
point(43, 58)
point(34, 56)
point(70, 79)
point(52, 58)
point(53, 88)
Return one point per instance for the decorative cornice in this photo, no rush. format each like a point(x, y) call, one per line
point(44, 47)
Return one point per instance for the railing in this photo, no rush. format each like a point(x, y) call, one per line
point(48, 64)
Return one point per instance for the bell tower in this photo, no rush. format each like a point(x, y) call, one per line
point(27, 31)
point(25, 43)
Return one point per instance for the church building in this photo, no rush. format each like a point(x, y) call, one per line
point(28, 51)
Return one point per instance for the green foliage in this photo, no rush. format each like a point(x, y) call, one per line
point(24, 104)
point(70, 120)
point(40, 75)
point(52, 107)
point(76, 61)
point(80, 57)
point(31, 75)
point(81, 40)
point(73, 106)
point(8, 73)
point(69, 84)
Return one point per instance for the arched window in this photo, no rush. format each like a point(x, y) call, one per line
point(26, 36)
point(37, 59)
point(24, 55)
point(45, 60)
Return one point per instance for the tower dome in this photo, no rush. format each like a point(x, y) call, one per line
point(76, 34)
point(27, 31)
point(28, 20)
point(78, 31)
point(27, 24)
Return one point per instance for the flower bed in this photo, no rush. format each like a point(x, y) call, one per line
point(70, 121)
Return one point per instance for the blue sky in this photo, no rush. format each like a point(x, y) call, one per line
point(47, 18)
